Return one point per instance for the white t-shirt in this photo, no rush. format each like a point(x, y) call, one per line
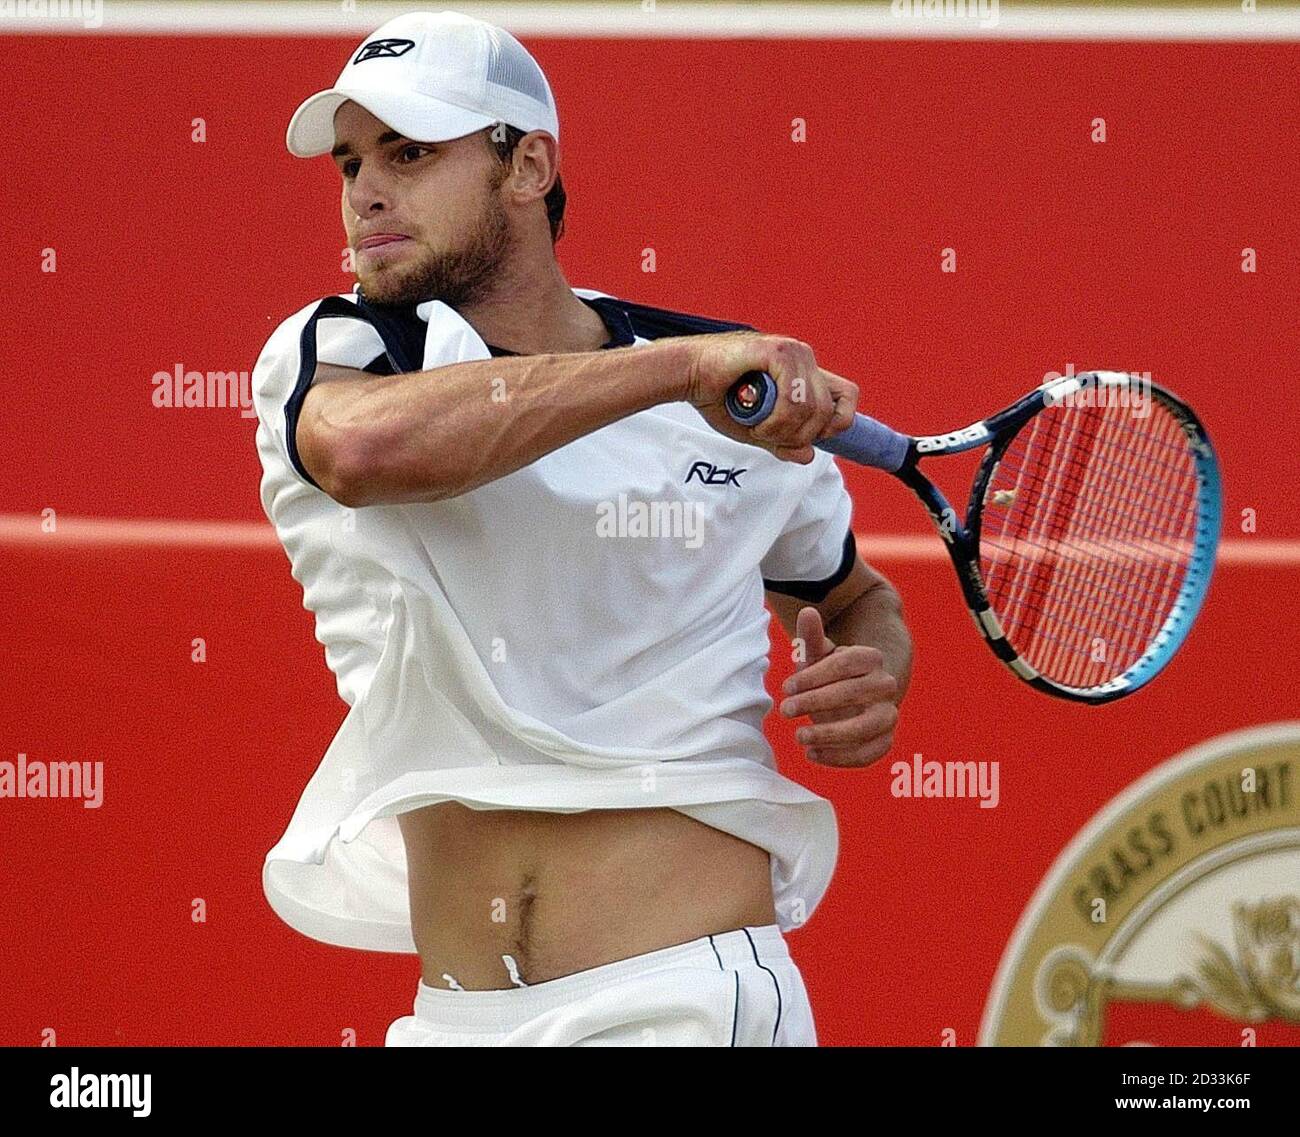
point(587, 632)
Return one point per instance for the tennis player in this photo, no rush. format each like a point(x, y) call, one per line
point(537, 550)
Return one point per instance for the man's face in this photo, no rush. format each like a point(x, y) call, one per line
point(425, 220)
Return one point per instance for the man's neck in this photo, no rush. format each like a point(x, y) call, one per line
point(534, 317)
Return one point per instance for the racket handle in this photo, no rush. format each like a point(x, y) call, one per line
point(753, 396)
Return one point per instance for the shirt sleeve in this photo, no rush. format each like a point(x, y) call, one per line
point(286, 367)
point(816, 550)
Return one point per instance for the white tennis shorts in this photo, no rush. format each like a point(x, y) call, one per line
point(737, 988)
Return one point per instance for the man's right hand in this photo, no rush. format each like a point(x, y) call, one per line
point(811, 403)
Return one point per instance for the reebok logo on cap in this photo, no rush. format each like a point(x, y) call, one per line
point(384, 48)
point(447, 75)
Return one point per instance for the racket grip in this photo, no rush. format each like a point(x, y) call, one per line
point(753, 396)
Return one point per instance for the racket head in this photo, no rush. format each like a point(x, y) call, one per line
point(1091, 534)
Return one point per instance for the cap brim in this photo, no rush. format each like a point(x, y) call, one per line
point(417, 117)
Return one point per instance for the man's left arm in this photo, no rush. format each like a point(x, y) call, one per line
point(853, 656)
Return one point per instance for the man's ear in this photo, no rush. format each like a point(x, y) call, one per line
point(537, 156)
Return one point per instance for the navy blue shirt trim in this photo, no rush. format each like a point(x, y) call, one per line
point(400, 328)
point(403, 334)
point(815, 591)
point(330, 306)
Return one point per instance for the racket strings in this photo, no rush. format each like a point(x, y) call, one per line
point(1123, 466)
point(1065, 593)
point(1047, 601)
point(1141, 592)
point(1149, 517)
point(1153, 590)
point(1089, 595)
point(1052, 583)
point(1145, 515)
point(1102, 583)
point(1087, 532)
point(1045, 492)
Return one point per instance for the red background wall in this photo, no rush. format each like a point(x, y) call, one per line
point(1125, 254)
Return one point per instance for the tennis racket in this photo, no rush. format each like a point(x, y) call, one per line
point(1091, 532)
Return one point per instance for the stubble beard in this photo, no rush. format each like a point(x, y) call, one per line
point(458, 277)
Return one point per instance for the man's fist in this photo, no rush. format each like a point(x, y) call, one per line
point(811, 403)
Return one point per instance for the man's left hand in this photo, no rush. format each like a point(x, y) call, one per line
point(848, 694)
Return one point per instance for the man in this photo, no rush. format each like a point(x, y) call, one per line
point(537, 546)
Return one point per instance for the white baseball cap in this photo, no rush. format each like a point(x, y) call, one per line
point(432, 76)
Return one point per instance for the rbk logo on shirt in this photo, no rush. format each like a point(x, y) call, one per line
point(712, 475)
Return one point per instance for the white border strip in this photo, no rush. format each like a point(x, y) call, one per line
point(628, 18)
point(24, 529)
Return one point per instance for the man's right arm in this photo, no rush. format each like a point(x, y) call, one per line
point(427, 435)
